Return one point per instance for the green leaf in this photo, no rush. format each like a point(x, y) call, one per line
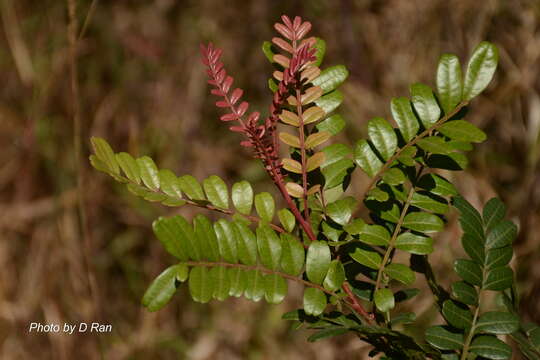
point(255, 285)
point(314, 301)
point(163, 287)
point(326, 333)
point(246, 244)
point(191, 187)
point(383, 137)
point(169, 183)
point(473, 247)
point(434, 145)
point(375, 235)
point(493, 213)
point(469, 271)
point(490, 347)
point(480, 69)
point(401, 273)
point(334, 153)
point(242, 197)
point(497, 322)
point(292, 255)
point(267, 51)
point(269, 246)
point(216, 191)
point(237, 280)
point(498, 257)
point(366, 158)
point(177, 237)
point(406, 156)
point(449, 82)
point(335, 173)
point(287, 219)
point(200, 284)
point(425, 104)
point(499, 279)
point(226, 237)
point(317, 261)
point(335, 276)
point(367, 258)
point(429, 203)
point(333, 124)
point(423, 222)
point(221, 283)
point(129, 166)
point(403, 318)
point(355, 227)
point(437, 185)
point(265, 206)
point(405, 118)
point(384, 300)
point(330, 102)
point(457, 316)
point(275, 288)
point(105, 154)
point(501, 235)
point(320, 50)
point(470, 219)
point(462, 130)
point(149, 172)
point(443, 339)
point(206, 238)
point(465, 293)
point(341, 210)
point(414, 244)
point(330, 78)
point(394, 176)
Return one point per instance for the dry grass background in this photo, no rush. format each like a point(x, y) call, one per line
point(142, 88)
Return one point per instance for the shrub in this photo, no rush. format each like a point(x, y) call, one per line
point(352, 282)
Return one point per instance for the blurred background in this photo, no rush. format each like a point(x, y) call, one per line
point(82, 256)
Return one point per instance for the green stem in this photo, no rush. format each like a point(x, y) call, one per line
point(391, 245)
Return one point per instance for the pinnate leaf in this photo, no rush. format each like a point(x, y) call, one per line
point(330, 78)
point(335, 276)
point(401, 273)
point(462, 130)
point(441, 338)
point(317, 261)
point(480, 69)
point(449, 82)
point(316, 139)
point(269, 246)
point(383, 137)
point(163, 287)
point(292, 255)
point(414, 244)
point(367, 258)
point(265, 206)
point(423, 222)
point(366, 158)
point(384, 300)
point(314, 301)
point(242, 197)
point(498, 322)
point(490, 347)
point(149, 172)
point(425, 104)
point(216, 191)
point(405, 118)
